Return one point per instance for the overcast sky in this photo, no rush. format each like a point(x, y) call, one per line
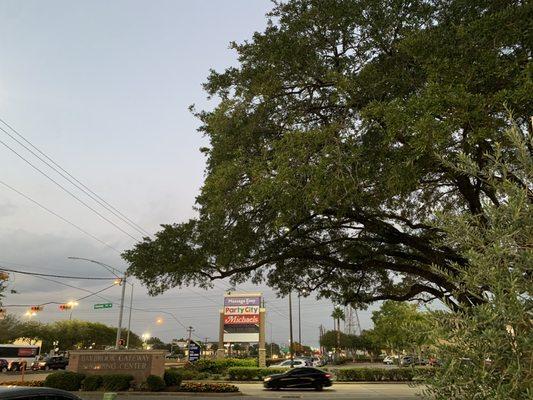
point(103, 87)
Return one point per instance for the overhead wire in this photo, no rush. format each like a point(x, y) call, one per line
point(70, 178)
point(55, 302)
point(90, 278)
point(60, 217)
point(66, 190)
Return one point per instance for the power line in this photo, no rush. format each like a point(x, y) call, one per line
point(66, 190)
point(70, 178)
point(53, 275)
point(55, 302)
point(59, 216)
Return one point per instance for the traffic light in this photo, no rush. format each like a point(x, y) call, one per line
point(36, 308)
point(64, 307)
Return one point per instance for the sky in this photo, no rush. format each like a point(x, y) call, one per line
point(103, 88)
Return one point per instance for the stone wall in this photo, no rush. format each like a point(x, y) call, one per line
point(139, 363)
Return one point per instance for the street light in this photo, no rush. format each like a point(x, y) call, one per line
point(72, 304)
point(145, 337)
point(122, 282)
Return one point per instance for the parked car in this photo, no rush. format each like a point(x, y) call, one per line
point(389, 360)
point(406, 361)
point(4, 365)
point(304, 377)
point(55, 362)
point(287, 364)
point(434, 362)
point(421, 361)
point(318, 362)
point(34, 393)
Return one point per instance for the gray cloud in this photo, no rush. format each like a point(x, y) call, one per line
point(7, 209)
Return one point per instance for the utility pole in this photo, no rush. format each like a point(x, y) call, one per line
point(190, 329)
point(129, 319)
point(291, 344)
point(299, 323)
point(121, 312)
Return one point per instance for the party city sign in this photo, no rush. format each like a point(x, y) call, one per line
point(241, 310)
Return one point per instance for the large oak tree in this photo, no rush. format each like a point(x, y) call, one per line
point(333, 145)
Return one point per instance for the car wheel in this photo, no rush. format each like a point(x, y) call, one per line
point(318, 387)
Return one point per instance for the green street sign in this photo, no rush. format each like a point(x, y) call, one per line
point(103, 305)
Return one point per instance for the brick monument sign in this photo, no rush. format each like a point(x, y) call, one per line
point(139, 363)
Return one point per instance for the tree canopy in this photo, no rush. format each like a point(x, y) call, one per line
point(332, 149)
point(69, 334)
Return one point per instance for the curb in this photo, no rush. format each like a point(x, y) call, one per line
point(334, 382)
point(163, 394)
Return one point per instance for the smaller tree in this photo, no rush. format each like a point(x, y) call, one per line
point(337, 315)
point(333, 340)
point(400, 327)
point(157, 344)
point(487, 348)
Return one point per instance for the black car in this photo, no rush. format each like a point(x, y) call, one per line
point(303, 377)
point(55, 362)
point(4, 365)
point(34, 393)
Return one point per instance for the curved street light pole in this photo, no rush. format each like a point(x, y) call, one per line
point(123, 282)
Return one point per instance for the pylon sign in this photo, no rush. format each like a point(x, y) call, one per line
point(195, 351)
point(241, 317)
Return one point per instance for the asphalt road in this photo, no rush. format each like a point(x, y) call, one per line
point(252, 391)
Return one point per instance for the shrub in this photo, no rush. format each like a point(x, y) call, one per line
point(377, 374)
point(221, 366)
point(208, 387)
point(70, 381)
point(243, 373)
point(172, 377)
point(155, 383)
point(263, 372)
point(25, 383)
point(191, 374)
point(91, 383)
point(252, 373)
point(116, 382)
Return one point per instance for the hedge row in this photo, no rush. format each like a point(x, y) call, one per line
point(221, 366)
point(377, 374)
point(208, 387)
point(73, 381)
point(252, 373)
point(25, 383)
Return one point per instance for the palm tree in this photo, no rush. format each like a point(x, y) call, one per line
point(337, 315)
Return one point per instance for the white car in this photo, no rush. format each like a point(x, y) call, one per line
point(287, 364)
point(389, 360)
